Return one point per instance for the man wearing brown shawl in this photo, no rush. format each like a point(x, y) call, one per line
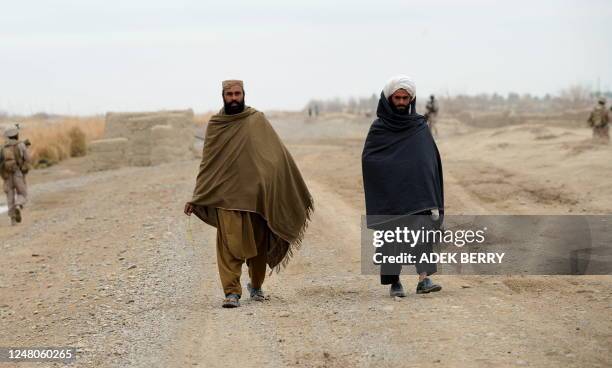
point(251, 190)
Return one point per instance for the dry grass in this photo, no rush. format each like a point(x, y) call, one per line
point(54, 141)
point(78, 142)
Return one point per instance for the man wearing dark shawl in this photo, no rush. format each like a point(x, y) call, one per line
point(251, 190)
point(402, 178)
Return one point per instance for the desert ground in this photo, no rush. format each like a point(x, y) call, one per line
point(107, 262)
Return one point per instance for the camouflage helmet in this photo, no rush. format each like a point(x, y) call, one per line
point(11, 132)
point(602, 100)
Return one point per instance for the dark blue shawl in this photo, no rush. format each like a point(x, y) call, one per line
point(402, 169)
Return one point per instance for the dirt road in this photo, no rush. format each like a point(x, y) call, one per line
point(107, 262)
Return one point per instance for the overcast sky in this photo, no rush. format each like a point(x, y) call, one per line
point(90, 56)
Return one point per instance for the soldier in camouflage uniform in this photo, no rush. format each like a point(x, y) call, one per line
point(14, 165)
point(432, 114)
point(598, 120)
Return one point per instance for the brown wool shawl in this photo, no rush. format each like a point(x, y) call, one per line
point(246, 167)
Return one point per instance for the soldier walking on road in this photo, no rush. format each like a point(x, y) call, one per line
point(431, 115)
point(599, 121)
point(14, 165)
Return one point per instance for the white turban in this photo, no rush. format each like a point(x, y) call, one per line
point(399, 82)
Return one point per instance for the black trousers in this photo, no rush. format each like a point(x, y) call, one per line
point(389, 272)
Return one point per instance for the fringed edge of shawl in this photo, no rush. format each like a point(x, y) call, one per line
point(296, 244)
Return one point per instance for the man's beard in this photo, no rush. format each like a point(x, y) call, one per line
point(403, 110)
point(233, 107)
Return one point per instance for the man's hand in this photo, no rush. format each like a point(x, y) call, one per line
point(188, 209)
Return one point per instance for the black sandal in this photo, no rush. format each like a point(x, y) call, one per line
point(426, 287)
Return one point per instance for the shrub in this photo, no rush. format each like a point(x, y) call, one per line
point(78, 142)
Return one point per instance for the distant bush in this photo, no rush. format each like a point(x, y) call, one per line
point(78, 142)
point(47, 156)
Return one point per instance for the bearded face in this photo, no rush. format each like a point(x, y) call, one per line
point(233, 100)
point(400, 100)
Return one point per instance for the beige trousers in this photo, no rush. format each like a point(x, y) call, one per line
point(16, 191)
point(241, 237)
point(601, 134)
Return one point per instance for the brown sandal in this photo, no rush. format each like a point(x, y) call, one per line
point(231, 301)
point(256, 294)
